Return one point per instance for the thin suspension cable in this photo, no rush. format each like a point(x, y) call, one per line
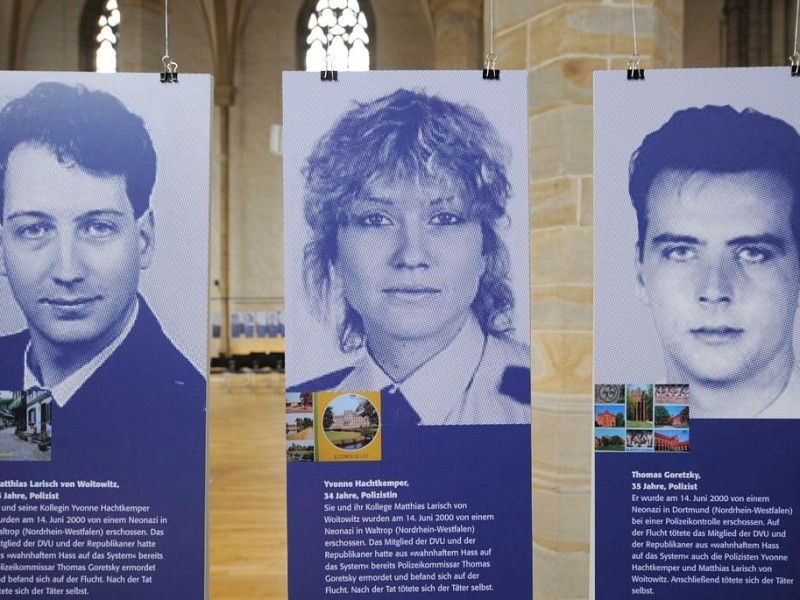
point(491, 27)
point(633, 19)
point(166, 28)
point(796, 19)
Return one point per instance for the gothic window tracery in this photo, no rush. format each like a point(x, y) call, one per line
point(339, 28)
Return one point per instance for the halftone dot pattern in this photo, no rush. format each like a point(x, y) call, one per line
point(451, 255)
point(732, 342)
point(178, 120)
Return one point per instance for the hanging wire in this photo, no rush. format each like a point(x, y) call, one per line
point(328, 56)
point(166, 28)
point(796, 18)
point(170, 72)
point(794, 59)
point(490, 70)
point(635, 70)
point(491, 28)
point(329, 73)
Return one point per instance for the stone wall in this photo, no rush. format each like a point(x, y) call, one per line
point(561, 44)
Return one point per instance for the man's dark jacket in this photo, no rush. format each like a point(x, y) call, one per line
point(139, 421)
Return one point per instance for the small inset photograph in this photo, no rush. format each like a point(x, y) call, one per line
point(609, 416)
point(299, 426)
point(672, 440)
point(350, 422)
point(300, 451)
point(348, 426)
point(609, 439)
point(672, 393)
point(672, 415)
point(605, 393)
point(639, 440)
point(299, 402)
point(639, 404)
point(26, 425)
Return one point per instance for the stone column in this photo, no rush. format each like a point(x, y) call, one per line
point(457, 25)
point(141, 40)
point(561, 43)
point(10, 26)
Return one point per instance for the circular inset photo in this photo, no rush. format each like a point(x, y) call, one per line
point(350, 422)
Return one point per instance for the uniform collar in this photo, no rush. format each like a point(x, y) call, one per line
point(434, 397)
point(64, 390)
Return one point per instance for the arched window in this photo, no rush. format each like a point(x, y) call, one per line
point(99, 36)
point(341, 28)
point(757, 32)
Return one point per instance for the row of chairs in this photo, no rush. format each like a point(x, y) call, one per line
point(258, 362)
point(270, 364)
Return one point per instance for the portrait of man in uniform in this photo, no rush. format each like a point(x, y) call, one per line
point(76, 173)
point(84, 201)
point(716, 194)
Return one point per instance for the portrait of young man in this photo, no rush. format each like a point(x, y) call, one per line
point(76, 173)
point(406, 200)
point(79, 229)
point(715, 191)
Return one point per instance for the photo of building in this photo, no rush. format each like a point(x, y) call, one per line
point(668, 441)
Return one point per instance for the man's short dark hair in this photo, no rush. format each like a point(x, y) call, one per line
point(91, 129)
point(718, 140)
point(408, 135)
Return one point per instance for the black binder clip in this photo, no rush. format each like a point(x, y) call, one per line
point(170, 72)
point(635, 71)
point(329, 74)
point(794, 60)
point(490, 70)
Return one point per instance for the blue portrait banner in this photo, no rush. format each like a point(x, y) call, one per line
point(407, 335)
point(103, 348)
point(697, 388)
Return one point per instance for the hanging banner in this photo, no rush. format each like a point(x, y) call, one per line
point(103, 335)
point(407, 324)
point(697, 386)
